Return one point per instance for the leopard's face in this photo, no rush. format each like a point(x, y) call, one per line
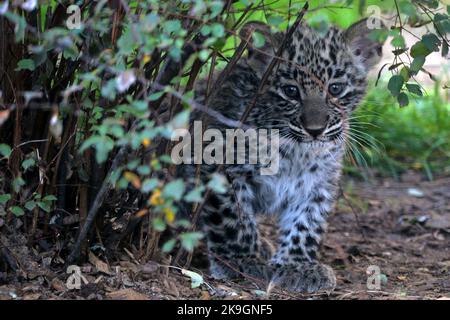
point(320, 80)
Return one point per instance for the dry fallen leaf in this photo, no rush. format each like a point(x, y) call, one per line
point(58, 285)
point(31, 296)
point(205, 295)
point(127, 294)
point(401, 278)
point(150, 267)
point(99, 264)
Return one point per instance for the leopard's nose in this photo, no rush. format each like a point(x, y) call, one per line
point(315, 132)
point(314, 128)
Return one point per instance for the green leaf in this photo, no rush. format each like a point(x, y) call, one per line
point(159, 224)
point(419, 49)
point(71, 53)
point(103, 150)
point(440, 17)
point(25, 64)
point(378, 35)
point(395, 85)
point(166, 158)
point(405, 74)
point(17, 184)
point(444, 52)
point(20, 25)
point(181, 120)
point(398, 41)
point(49, 197)
point(218, 183)
point(258, 39)
point(155, 96)
point(143, 170)
point(432, 4)
point(431, 41)
point(44, 206)
point(30, 205)
point(172, 26)
point(408, 8)
point(126, 42)
point(275, 21)
point(217, 30)
point(189, 240)
point(169, 245)
point(414, 88)
point(442, 23)
point(5, 150)
point(260, 293)
point(17, 211)
point(215, 8)
point(103, 146)
point(5, 198)
point(204, 54)
point(205, 30)
point(149, 184)
point(196, 279)
point(109, 90)
point(184, 223)
point(195, 195)
point(150, 22)
point(417, 64)
point(403, 99)
point(174, 189)
point(28, 163)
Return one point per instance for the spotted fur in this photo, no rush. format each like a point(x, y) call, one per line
point(301, 100)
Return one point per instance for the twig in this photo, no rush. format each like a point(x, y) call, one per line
point(358, 222)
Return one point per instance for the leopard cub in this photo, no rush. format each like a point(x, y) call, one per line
point(309, 97)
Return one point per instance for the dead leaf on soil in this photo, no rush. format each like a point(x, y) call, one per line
point(205, 295)
point(58, 285)
point(171, 287)
point(32, 296)
point(99, 264)
point(401, 278)
point(150, 267)
point(127, 294)
point(127, 265)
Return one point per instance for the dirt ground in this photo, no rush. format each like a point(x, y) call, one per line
point(403, 228)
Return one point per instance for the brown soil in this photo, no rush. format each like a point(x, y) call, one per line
point(401, 227)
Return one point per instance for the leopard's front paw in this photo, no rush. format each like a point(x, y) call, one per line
point(305, 277)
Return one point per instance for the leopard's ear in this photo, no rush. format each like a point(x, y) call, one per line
point(362, 46)
point(260, 57)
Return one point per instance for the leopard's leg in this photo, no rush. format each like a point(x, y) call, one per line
point(232, 235)
point(295, 265)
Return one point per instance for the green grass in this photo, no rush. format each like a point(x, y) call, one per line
point(393, 139)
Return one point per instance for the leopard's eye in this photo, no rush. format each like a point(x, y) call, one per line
point(291, 92)
point(336, 89)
